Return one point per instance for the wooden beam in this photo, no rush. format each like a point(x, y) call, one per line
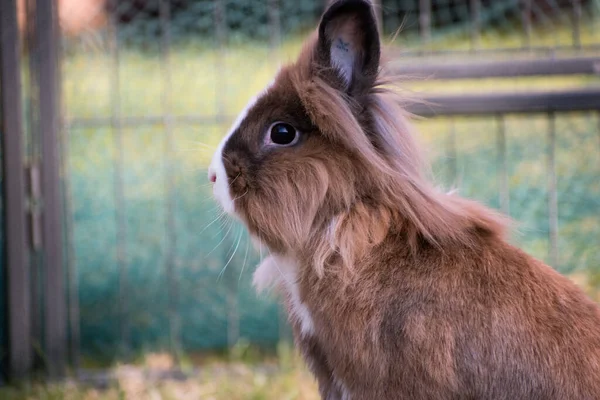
point(55, 307)
point(499, 69)
point(508, 103)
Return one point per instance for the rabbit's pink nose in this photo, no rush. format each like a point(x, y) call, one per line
point(212, 176)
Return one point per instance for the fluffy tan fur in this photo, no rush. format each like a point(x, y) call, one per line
point(400, 193)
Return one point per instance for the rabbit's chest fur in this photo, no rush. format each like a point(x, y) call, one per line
point(282, 273)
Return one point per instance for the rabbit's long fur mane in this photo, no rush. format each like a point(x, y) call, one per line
point(404, 200)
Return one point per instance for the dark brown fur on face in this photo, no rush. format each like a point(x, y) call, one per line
point(395, 290)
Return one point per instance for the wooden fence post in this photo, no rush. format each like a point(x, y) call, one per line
point(47, 50)
point(13, 186)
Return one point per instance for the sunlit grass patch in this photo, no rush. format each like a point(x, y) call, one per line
point(214, 378)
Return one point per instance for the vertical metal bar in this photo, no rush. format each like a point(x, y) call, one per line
point(18, 281)
point(598, 133)
point(475, 6)
point(526, 21)
point(232, 292)
point(502, 163)
point(233, 315)
point(425, 21)
point(552, 191)
point(452, 154)
point(70, 264)
point(170, 261)
point(274, 25)
point(220, 64)
point(118, 155)
point(47, 47)
point(221, 37)
point(576, 23)
point(70, 261)
point(591, 14)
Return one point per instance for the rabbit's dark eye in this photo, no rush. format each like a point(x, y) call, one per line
point(283, 134)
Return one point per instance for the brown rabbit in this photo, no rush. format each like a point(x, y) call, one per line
point(394, 289)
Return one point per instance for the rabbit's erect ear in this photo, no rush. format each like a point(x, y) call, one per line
point(349, 45)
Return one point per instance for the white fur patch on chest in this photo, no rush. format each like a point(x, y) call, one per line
point(282, 272)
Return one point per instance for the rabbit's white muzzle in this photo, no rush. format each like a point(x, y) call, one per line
point(218, 176)
point(216, 172)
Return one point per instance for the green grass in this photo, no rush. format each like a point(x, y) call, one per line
point(215, 378)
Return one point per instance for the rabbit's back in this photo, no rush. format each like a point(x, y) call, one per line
point(486, 322)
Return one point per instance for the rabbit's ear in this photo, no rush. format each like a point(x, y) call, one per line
point(348, 45)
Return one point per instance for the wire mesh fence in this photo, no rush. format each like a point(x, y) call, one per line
point(150, 87)
point(3, 282)
point(484, 26)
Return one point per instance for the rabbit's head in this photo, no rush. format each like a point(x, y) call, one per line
point(321, 161)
